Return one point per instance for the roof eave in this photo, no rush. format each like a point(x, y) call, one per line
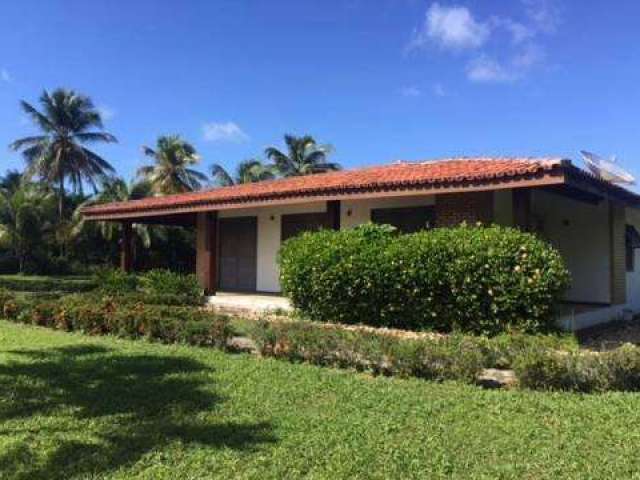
point(552, 176)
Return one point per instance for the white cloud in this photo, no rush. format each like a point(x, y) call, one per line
point(5, 76)
point(439, 91)
point(528, 57)
point(410, 91)
point(452, 28)
point(497, 48)
point(224, 132)
point(544, 14)
point(107, 113)
point(487, 70)
point(519, 32)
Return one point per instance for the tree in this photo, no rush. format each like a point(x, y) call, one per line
point(247, 171)
point(11, 181)
point(171, 172)
point(304, 156)
point(114, 190)
point(68, 122)
point(23, 219)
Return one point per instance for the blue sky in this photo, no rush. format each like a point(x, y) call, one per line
point(381, 80)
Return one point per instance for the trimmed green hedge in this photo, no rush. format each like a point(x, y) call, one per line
point(99, 316)
point(584, 372)
point(473, 279)
point(431, 359)
point(29, 283)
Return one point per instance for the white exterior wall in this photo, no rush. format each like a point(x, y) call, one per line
point(580, 231)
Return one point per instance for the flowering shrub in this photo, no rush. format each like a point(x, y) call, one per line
point(483, 280)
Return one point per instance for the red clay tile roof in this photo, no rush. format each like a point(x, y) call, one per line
point(401, 175)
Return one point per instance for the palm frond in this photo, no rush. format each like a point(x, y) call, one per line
point(91, 137)
point(221, 176)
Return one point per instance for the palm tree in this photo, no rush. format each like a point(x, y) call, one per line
point(171, 173)
point(304, 156)
point(23, 219)
point(68, 122)
point(11, 181)
point(247, 171)
point(114, 190)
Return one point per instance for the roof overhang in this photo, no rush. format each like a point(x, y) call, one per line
point(561, 177)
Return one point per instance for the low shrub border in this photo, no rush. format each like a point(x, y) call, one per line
point(429, 358)
point(585, 372)
point(540, 362)
point(95, 316)
point(46, 284)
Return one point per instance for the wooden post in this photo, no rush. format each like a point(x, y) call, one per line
point(333, 212)
point(126, 247)
point(207, 251)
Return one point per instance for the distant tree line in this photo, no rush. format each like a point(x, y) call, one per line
point(41, 228)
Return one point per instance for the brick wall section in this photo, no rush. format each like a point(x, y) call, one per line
point(471, 207)
point(618, 263)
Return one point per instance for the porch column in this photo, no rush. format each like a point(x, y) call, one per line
point(333, 212)
point(126, 247)
point(207, 251)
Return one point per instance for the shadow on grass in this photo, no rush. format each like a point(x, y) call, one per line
point(97, 410)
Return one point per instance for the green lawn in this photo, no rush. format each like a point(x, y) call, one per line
point(73, 406)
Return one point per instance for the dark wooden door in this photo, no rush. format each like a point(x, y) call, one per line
point(238, 254)
point(406, 219)
point(297, 223)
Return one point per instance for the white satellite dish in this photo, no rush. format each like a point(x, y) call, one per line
point(607, 169)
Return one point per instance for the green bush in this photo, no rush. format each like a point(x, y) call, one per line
point(115, 282)
point(19, 283)
point(165, 282)
point(161, 299)
point(585, 372)
point(161, 287)
point(146, 298)
point(367, 351)
point(482, 280)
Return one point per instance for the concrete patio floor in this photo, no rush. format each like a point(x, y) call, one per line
point(248, 303)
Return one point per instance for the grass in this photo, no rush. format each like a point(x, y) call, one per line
point(74, 406)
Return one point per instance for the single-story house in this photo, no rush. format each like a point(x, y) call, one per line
point(240, 228)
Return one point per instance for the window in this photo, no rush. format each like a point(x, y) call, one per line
point(407, 219)
point(297, 223)
point(631, 242)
